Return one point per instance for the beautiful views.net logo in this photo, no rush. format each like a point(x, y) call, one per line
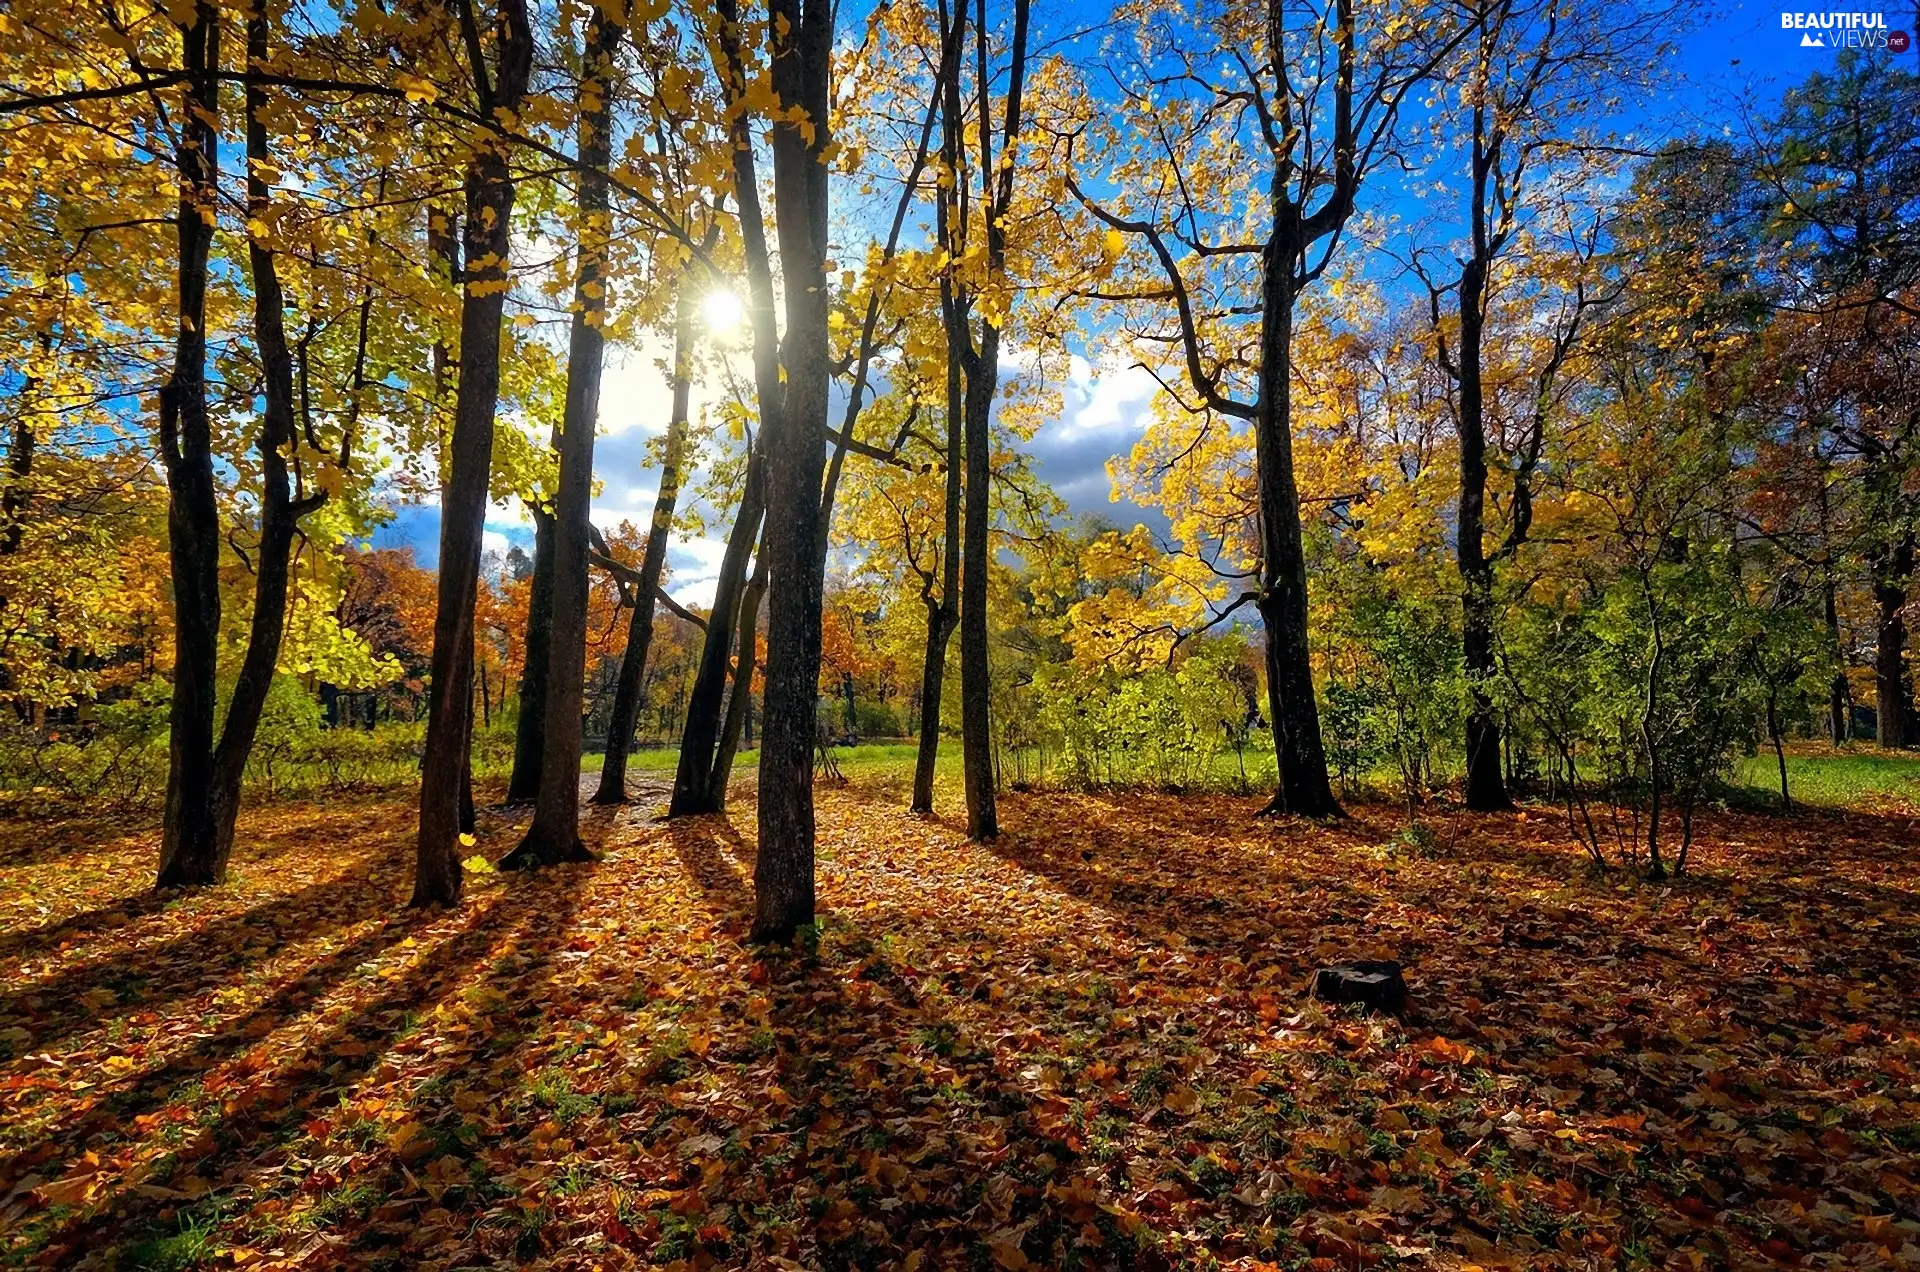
point(1844, 31)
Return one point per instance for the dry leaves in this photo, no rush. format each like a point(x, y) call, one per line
point(1085, 1046)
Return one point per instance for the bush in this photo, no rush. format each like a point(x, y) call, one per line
point(115, 758)
point(1158, 728)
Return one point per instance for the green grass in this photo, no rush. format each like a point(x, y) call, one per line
point(1862, 777)
point(870, 759)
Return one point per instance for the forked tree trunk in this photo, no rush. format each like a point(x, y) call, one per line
point(1304, 788)
point(943, 614)
point(555, 834)
point(693, 792)
point(982, 366)
point(625, 713)
point(280, 512)
point(489, 243)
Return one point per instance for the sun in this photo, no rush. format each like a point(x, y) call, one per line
point(723, 313)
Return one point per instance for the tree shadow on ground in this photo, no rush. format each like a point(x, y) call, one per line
point(868, 1103)
point(288, 1091)
point(151, 978)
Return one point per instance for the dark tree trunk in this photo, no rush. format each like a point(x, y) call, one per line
point(280, 512)
point(1839, 692)
point(463, 506)
point(982, 366)
point(13, 500)
point(1486, 787)
point(188, 854)
point(469, 815)
point(1892, 690)
point(530, 729)
point(693, 792)
point(1302, 762)
point(976, 689)
point(625, 713)
point(1779, 748)
point(943, 614)
point(796, 460)
point(933, 675)
point(740, 696)
point(555, 834)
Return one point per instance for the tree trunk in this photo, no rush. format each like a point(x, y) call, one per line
point(1839, 692)
point(1894, 703)
point(529, 730)
point(1302, 762)
point(280, 513)
point(1779, 749)
point(933, 675)
point(982, 365)
point(976, 738)
point(692, 781)
point(188, 847)
point(625, 713)
point(554, 835)
point(943, 616)
point(796, 458)
point(469, 815)
point(740, 697)
point(463, 505)
point(1486, 788)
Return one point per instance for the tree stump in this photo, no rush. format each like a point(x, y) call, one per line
point(1377, 985)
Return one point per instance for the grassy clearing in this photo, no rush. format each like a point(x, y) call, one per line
point(1866, 777)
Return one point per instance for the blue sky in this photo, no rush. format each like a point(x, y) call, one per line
point(1730, 59)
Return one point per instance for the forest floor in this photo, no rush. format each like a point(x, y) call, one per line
point(1086, 1045)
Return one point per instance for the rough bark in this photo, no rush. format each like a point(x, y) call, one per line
point(976, 688)
point(625, 713)
point(530, 728)
point(488, 246)
point(554, 835)
point(1304, 788)
point(1486, 787)
point(796, 433)
point(193, 523)
point(981, 363)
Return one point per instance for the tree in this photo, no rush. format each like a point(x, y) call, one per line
point(793, 413)
point(554, 835)
point(1312, 113)
point(978, 357)
point(633, 663)
point(1527, 80)
point(489, 189)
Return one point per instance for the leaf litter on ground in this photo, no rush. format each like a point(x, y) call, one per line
point(1086, 1045)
